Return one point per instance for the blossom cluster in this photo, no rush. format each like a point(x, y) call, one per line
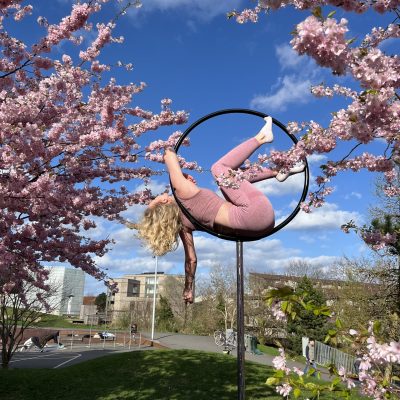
point(325, 91)
point(64, 129)
point(380, 6)
point(325, 41)
point(103, 37)
point(373, 112)
point(277, 312)
point(247, 15)
point(377, 240)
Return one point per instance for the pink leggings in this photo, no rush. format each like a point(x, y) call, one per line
point(252, 212)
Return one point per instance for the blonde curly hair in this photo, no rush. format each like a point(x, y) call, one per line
point(159, 228)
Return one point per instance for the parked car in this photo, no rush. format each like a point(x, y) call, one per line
point(106, 335)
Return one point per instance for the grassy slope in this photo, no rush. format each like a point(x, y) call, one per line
point(145, 375)
point(56, 321)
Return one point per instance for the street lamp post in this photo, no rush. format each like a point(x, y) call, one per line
point(154, 299)
point(69, 305)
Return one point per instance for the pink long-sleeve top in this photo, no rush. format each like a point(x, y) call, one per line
point(203, 206)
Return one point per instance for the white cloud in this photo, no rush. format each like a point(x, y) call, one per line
point(353, 194)
point(327, 217)
point(279, 266)
point(200, 9)
point(154, 185)
point(128, 256)
point(308, 239)
point(293, 89)
point(287, 57)
point(316, 158)
point(292, 185)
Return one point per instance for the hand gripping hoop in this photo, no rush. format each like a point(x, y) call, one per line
point(238, 237)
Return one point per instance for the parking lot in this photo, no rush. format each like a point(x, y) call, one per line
point(77, 346)
point(53, 357)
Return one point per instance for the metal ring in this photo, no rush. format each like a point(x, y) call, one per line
point(237, 238)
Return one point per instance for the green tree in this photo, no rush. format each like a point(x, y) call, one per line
point(307, 323)
point(101, 301)
point(164, 315)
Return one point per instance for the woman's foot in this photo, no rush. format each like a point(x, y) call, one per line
point(282, 176)
point(265, 135)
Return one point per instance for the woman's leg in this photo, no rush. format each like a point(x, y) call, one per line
point(233, 160)
point(243, 216)
point(236, 157)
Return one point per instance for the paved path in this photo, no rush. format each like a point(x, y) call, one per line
point(207, 343)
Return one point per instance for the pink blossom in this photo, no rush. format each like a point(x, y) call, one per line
point(343, 374)
point(332, 50)
point(103, 37)
point(22, 12)
point(377, 240)
point(298, 371)
point(279, 362)
point(247, 15)
point(277, 312)
point(284, 390)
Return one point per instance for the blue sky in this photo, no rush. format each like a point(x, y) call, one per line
point(188, 51)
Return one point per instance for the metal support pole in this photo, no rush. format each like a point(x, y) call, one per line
point(90, 332)
point(154, 300)
point(240, 321)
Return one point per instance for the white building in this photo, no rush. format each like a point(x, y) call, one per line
point(69, 284)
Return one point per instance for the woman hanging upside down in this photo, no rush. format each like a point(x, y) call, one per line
point(245, 210)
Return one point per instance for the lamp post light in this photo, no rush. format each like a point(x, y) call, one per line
point(69, 305)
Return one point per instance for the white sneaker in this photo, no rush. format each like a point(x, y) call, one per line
point(282, 176)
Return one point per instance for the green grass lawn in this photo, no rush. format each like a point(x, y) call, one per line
point(57, 321)
point(272, 351)
point(141, 375)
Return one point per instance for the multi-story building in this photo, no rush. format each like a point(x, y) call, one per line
point(88, 312)
point(137, 288)
point(68, 285)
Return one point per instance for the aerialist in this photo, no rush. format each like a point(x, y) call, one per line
point(245, 210)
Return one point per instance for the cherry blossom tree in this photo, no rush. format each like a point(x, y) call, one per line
point(20, 308)
point(69, 138)
point(373, 109)
point(378, 368)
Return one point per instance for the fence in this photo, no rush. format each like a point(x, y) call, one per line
point(90, 338)
point(325, 355)
point(96, 340)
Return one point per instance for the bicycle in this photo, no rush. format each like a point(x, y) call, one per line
point(227, 339)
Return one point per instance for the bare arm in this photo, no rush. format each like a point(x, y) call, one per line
point(184, 188)
point(190, 252)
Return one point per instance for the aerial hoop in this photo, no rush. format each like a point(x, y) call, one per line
point(236, 238)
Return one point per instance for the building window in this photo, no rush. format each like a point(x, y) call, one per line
point(149, 291)
point(149, 287)
point(151, 280)
point(133, 288)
